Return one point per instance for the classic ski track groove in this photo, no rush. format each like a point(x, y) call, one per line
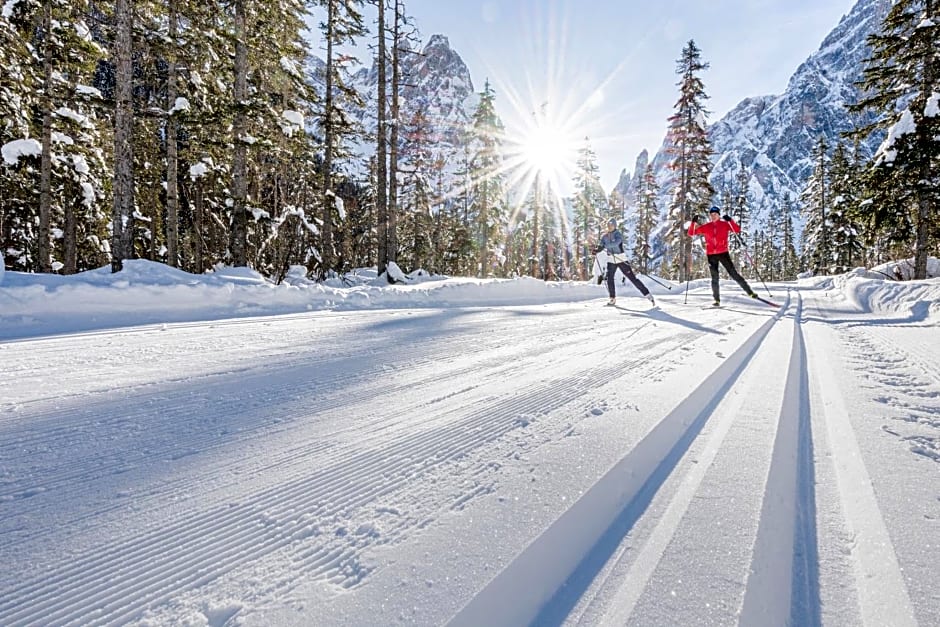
point(645, 552)
point(228, 535)
point(489, 601)
point(783, 582)
point(882, 594)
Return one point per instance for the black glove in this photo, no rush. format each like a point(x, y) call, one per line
point(598, 249)
point(726, 218)
point(696, 219)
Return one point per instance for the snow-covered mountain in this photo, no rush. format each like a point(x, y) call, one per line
point(627, 185)
point(773, 136)
point(433, 79)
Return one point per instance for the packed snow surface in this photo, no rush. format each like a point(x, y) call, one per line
point(219, 450)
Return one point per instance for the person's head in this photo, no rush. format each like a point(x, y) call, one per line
point(714, 214)
point(611, 224)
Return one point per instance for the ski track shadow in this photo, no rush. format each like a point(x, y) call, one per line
point(662, 316)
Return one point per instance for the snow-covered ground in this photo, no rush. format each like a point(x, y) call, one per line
point(216, 450)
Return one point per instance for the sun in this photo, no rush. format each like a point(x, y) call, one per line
point(542, 152)
point(547, 149)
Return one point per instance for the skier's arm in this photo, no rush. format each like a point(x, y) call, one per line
point(731, 223)
point(693, 226)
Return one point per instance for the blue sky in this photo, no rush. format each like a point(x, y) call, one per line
point(607, 68)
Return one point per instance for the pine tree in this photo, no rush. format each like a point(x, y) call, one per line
point(590, 204)
point(901, 81)
point(18, 91)
point(846, 245)
point(416, 227)
point(647, 214)
point(381, 143)
point(486, 175)
point(343, 25)
point(689, 147)
point(67, 233)
point(789, 266)
point(816, 201)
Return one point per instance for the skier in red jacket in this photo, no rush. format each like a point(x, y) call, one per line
point(716, 234)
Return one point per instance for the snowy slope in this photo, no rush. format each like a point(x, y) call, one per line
point(217, 450)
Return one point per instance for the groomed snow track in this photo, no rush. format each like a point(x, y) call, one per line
point(570, 465)
point(637, 532)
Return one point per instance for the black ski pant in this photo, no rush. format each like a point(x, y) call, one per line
point(725, 260)
point(627, 272)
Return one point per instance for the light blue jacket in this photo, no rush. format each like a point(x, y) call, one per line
point(613, 242)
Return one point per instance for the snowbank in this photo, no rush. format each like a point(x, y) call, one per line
point(149, 293)
point(153, 293)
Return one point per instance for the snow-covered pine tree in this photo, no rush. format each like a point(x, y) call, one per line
point(416, 214)
point(901, 81)
point(816, 202)
point(790, 264)
point(18, 92)
point(552, 246)
point(647, 214)
point(199, 116)
point(487, 189)
point(49, 58)
point(689, 147)
point(846, 249)
point(269, 95)
point(590, 205)
point(343, 25)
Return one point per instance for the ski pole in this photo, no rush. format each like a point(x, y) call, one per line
point(688, 279)
point(655, 280)
point(751, 261)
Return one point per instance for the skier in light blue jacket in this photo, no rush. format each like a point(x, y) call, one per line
point(612, 244)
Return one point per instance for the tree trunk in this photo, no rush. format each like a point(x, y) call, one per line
point(122, 216)
point(71, 240)
point(393, 143)
point(239, 128)
point(172, 159)
point(198, 228)
point(381, 200)
point(536, 208)
point(326, 252)
point(43, 249)
point(924, 209)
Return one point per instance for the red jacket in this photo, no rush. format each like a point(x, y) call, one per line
point(716, 234)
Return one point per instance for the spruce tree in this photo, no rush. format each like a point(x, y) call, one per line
point(901, 83)
point(487, 189)
point(790, 265)
point(647, 214)
point(689, 147)
point(816, 200)
point(343, 25)
point(49, 52)
point(590, 205)
point(845, 240)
